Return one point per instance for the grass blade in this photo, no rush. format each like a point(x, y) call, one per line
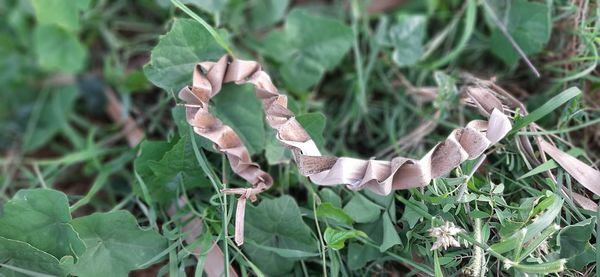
point(218, 38)
point(545, 109)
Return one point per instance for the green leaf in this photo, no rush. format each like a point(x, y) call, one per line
point(177, 52)
point(390, 235)
point(307, 47)
point(527, 22)
point(41, 218)
point(336, 239)
point(165, 167)
point(150, 151)
point(361, 209)
point(330, 196)
point(411, 215)
point(283, 252)
point(24, 256)
point(547, 108)
point(264, 13)
point(215, 35)
point(58, 49)
point(436, 265)
point(359, 255)
point(314, 124)
point(275, 152)
point(574, 244)
point(63, 13)
point(406, 36)
point(544, 220)
point(285, 229)
point(116, 244)
point(545, 268)
point(330, 211)
point(238, 107)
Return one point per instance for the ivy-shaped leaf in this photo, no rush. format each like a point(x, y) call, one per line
point(575, 246)
point(59, 49)
point(62, 13)
point(41, 218)
point(238, 107)
point(336, 239)
point(276, 223)
point(406, 36)
point(177, 52)
point(314, 124)
point(528, 23)
point(22, 255)
point(115, 244)
point(307, 47)
point(164, 167)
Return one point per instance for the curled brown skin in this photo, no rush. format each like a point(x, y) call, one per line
point(381, 177)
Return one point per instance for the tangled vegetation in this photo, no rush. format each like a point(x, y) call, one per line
point(101, 174)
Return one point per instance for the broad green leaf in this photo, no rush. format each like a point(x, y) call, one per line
point(52, 118)
point(406, 36)
point(177, 52)
point(24, 256)
point(276, 223)
point(238, 107)
point(390, 235)
point(545, 219)
point(411, 215)
point(165, 167)
point(83, 4)
point(329, 196)
point(58, 49)
point(275, 152)
point(314, 124)
point(41, 217)
point(361, 209)
point(527, 22)
point(336, 239)
point(63, 13)
point(150, 151)
point(115, 244)
point(307, 47)
point(264, 13)
point(574, 241)
point(359, 255)
point(330, 211)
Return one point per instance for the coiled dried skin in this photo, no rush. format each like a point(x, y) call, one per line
point(376, 175)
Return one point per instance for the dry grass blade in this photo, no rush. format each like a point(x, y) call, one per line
point(584, 174)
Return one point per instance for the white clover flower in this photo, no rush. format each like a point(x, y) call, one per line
point(445, 236)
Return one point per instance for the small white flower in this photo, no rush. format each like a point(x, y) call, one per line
point(445, 236)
